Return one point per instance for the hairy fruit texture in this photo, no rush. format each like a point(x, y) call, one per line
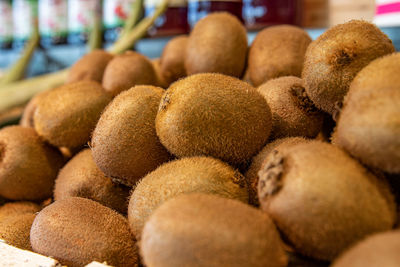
point(369, 123)
point(206, 230)
point(213, 115)
point(28, 166)
point(80, 177)
point(124, 144)
point(77, 231)
point(293, 113)
point(377, 250)
point(277, 51)
point(322, 200)
point(197, 174)
point(334, 59)
point(217, 43)
point(67, 115)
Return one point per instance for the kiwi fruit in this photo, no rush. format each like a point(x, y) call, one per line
point(16, 208)
point(15, 230)
point(277, 51)
point(125, 145)
point(161, 81)
point(80, 177)
point(217, 43)
point(29, 110)
point(196, 174)
point(128, 70)
point(375, 251)
point(172, 61)
point(213, 115)
point(293, 113)
point(90, 67)
point(369, 123)
point(207, 230)
point(66, 116)
point(252, 172)
point(334, 59)
point(77, 231)
point(322, 200)
point(28, 166)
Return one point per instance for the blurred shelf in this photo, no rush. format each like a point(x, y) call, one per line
point(59, 57)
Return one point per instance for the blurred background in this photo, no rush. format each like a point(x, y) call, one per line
point(64, 26)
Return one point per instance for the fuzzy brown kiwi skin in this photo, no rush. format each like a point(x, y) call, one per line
point(218, 44)
point(175, 234)
point(213, 115)
point(186, 175)
point(375, 251)
point(368, 126)
point(128, 70)
point(265, 59)
point(293, 113)
point(252, 172)
point(333, 60)
point(161, 81)
point(80, 177)
point(15, 230)
point(322, 214)
point(76, 231)
point(29, 111)
point(124, 143)
point(90, 67)
point(66, 116)
point(28, 166)
point(16, 208)
point(172, 61)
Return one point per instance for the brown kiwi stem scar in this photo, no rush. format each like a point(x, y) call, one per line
point(165, 101)
point(303, 100)
point(271, 176)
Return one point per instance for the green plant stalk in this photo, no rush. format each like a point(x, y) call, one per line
point(18, 93)
point(129, 39)
point(133, 18)
point(96, 38)
point(17, 70)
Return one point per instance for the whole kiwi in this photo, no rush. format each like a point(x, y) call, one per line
point(90, 67)
point(80, 177)
point(15, 230)
point(16, 208)
point(293, 113)
point(161, 81)
point(207, 230)
point(172, 61)
point(322, 200)
point(375, 251)
point(213, 115)
point(28, 166)
point(196, 174)
point(217, 43)
point(66, 116)
point(77, 231)
point(127, 70)
point(369, 123)
point(252, 172)
point(29, 111)
point(125, 145)
point(277, 51)
point(333, 60)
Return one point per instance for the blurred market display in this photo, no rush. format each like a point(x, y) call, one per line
point(64, 25)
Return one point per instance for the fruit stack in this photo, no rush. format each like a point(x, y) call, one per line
point(217, 154)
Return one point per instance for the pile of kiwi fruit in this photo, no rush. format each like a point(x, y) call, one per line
point(282, 153)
